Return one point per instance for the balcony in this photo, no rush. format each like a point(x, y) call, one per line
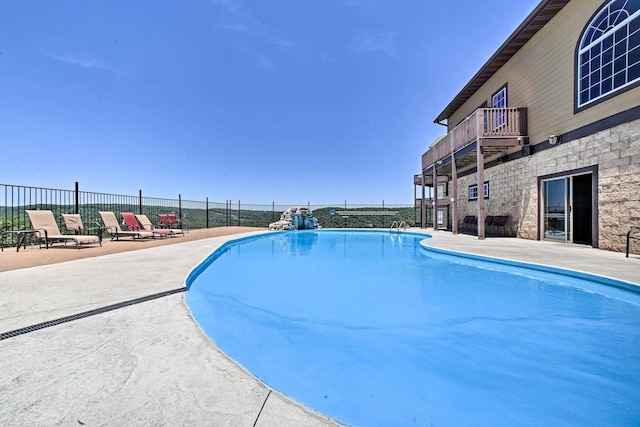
point(494, 130)
point(487, 133)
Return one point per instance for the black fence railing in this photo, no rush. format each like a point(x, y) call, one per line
point(16, 199)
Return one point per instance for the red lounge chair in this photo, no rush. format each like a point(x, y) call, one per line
point(131, 221)
point(164, 220)
point(112, 226)
point(148, 226)
point(174, 221)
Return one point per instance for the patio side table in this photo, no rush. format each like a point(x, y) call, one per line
point(22, 238)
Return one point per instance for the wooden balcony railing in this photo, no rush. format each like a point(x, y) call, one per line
point(494, 123)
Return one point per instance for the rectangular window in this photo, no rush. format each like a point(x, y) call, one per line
point(473, 191)
point(499, 100)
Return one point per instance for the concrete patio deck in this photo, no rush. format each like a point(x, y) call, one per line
point(149, 363)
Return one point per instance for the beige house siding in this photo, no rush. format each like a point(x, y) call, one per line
point(513, 187)
point(541, 77)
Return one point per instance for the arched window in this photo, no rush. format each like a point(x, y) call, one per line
point(609, 52)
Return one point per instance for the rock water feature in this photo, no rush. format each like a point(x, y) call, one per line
point(296, 218)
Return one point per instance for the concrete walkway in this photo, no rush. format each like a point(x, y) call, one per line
point(144, 364)
point(149, 363)
point(564, 255)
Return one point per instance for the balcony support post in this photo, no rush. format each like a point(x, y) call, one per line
point(435, 198)
point(423, 204)
point(454, 183)
point(480, 173)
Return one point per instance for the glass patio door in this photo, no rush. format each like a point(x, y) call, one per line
point(567, 209)
point(557, 209)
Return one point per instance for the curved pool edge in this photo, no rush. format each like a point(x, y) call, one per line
point(193, 274)
point(216, 253)
point(207, 260)
point(276, 409)
point(320, 417)
point(545, 268)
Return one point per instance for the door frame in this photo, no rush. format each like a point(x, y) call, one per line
point(593, 170)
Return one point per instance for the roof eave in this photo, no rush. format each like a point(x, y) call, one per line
point(537, 19)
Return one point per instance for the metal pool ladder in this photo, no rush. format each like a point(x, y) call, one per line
point(398, 225)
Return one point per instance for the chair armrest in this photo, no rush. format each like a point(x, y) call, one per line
point(111, 230)
point(40, 232)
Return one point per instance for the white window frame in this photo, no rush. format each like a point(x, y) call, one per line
point(473, 191)
point(499, 100)
point(608, 54)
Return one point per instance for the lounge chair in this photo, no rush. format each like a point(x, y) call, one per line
point(174, 221)
point(164, 220)
point(112, 226)
point(466, 223)
point(501, 222)
point(488, 222)
point(47, 229)
point(474, 225)
point(131, 221)
point(73, 222)
point(148, 226)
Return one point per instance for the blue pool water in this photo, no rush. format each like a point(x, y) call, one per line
point(372, 329)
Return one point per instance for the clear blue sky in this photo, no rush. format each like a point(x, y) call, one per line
point(254, 100)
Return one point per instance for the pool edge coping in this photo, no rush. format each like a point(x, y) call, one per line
point(545, 268)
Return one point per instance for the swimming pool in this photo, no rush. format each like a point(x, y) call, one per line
point(370, 328)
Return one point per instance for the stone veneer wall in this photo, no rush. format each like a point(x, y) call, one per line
point(513, 186)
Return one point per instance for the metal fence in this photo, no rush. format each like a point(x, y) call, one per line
point(16, 199)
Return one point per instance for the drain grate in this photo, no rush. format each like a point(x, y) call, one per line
point(89, 313)
point(262, 408)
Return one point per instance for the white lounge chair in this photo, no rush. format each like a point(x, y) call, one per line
point(47, 229)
